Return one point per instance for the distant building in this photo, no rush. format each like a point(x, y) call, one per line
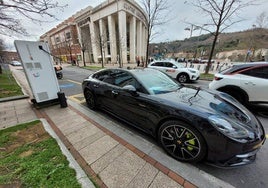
point(8, 56)
point(114, 31)
point(63, 42)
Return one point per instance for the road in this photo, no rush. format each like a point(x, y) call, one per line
point(253, 175)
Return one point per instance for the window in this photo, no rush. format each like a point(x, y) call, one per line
point(260, 72)
point(160, 64)
point(68, 35)
point(168, 64)
point(57, 39)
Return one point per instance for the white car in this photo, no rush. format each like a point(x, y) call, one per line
point(15, 63)
point(176, 70)
point(246, 82)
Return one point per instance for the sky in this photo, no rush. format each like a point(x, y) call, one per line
point(180, 14)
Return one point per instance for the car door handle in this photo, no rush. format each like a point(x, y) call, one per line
point(114, 92)
point(247, 83)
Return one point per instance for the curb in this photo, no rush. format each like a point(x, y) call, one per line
point(80, 174)
point(6, 99)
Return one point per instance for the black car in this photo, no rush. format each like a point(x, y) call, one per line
point(191, 124)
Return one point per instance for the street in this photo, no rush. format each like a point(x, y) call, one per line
point(253, 175)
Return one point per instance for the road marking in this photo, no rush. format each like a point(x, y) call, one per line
point(74, 82)
point(66, 85)
point(79, 98)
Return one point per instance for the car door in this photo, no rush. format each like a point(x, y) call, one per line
point(170, 69)
point(102, 89)
point(135, 109)
point(255, 83)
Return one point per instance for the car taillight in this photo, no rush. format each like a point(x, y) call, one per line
point(217, 78)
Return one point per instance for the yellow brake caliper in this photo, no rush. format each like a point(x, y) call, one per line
point(188, 136)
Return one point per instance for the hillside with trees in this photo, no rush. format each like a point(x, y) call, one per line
point(199, 46)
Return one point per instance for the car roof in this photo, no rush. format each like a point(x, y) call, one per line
point(165, 60)
point(134, 70)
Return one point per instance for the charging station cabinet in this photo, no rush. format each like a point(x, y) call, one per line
point(38, 66)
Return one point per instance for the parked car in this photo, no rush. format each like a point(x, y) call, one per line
point(15, 63)
point(176, 70)
point(247, 82)
point(58, 71)
point(190, 123)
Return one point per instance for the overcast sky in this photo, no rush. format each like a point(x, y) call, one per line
point(179, 13)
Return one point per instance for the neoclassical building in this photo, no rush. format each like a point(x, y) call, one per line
point(114, 31)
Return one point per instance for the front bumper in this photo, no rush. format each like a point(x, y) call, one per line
point(239, 159)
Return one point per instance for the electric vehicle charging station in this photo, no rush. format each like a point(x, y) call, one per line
point(38, 66)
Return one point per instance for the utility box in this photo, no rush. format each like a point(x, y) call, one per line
point(38, 66)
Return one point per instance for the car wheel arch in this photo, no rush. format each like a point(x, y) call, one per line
point(162, 121)
point(229, 89)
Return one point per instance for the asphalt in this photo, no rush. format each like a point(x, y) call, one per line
point(99, 148)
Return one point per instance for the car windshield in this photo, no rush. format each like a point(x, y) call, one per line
point(156, 82)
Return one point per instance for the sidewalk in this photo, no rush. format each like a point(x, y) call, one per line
point(106, 151)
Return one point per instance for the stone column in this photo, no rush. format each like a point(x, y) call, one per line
point(122, 36)
point(102, 40)
point(132, 33)
point(93, 31)
point(139, 39)
point(112, 38)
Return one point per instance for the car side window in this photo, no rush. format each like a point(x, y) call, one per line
point(169, 64)
point(159, 64)
point(260, 72)
point(123, 78)
point(101, 75)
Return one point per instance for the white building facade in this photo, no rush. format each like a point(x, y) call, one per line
point(115, 32)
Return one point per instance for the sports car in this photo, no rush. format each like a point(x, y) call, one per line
point(192, 124)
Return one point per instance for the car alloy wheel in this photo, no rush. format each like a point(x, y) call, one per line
point(181, 141)
point(90, 99)
point(183, 78)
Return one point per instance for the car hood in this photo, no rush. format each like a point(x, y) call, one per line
point(209, 102)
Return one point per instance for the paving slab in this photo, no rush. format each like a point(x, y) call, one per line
point(94, 151)
point(108, 158)
point(161, 180)
point(145, 177)
point(122, 170)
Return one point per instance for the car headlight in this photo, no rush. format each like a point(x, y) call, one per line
point(229, 128)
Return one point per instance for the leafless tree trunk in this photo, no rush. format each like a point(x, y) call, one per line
point(101, 43)
point(11, 11)
point(222, 15)
point(155, 11)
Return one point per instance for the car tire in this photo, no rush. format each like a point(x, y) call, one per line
point(90, 99)
point(182, 141)
point(183, 78)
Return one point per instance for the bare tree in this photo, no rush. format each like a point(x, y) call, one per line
point(101, 44)
point(11, 11)
point(155, 12)
point(1, 54)
point(222, 15)
point(262, 20)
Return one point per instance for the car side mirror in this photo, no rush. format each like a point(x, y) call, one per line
point(131, 89)
point(174, 67)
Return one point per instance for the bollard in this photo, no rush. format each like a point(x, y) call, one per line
point(62, 100)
